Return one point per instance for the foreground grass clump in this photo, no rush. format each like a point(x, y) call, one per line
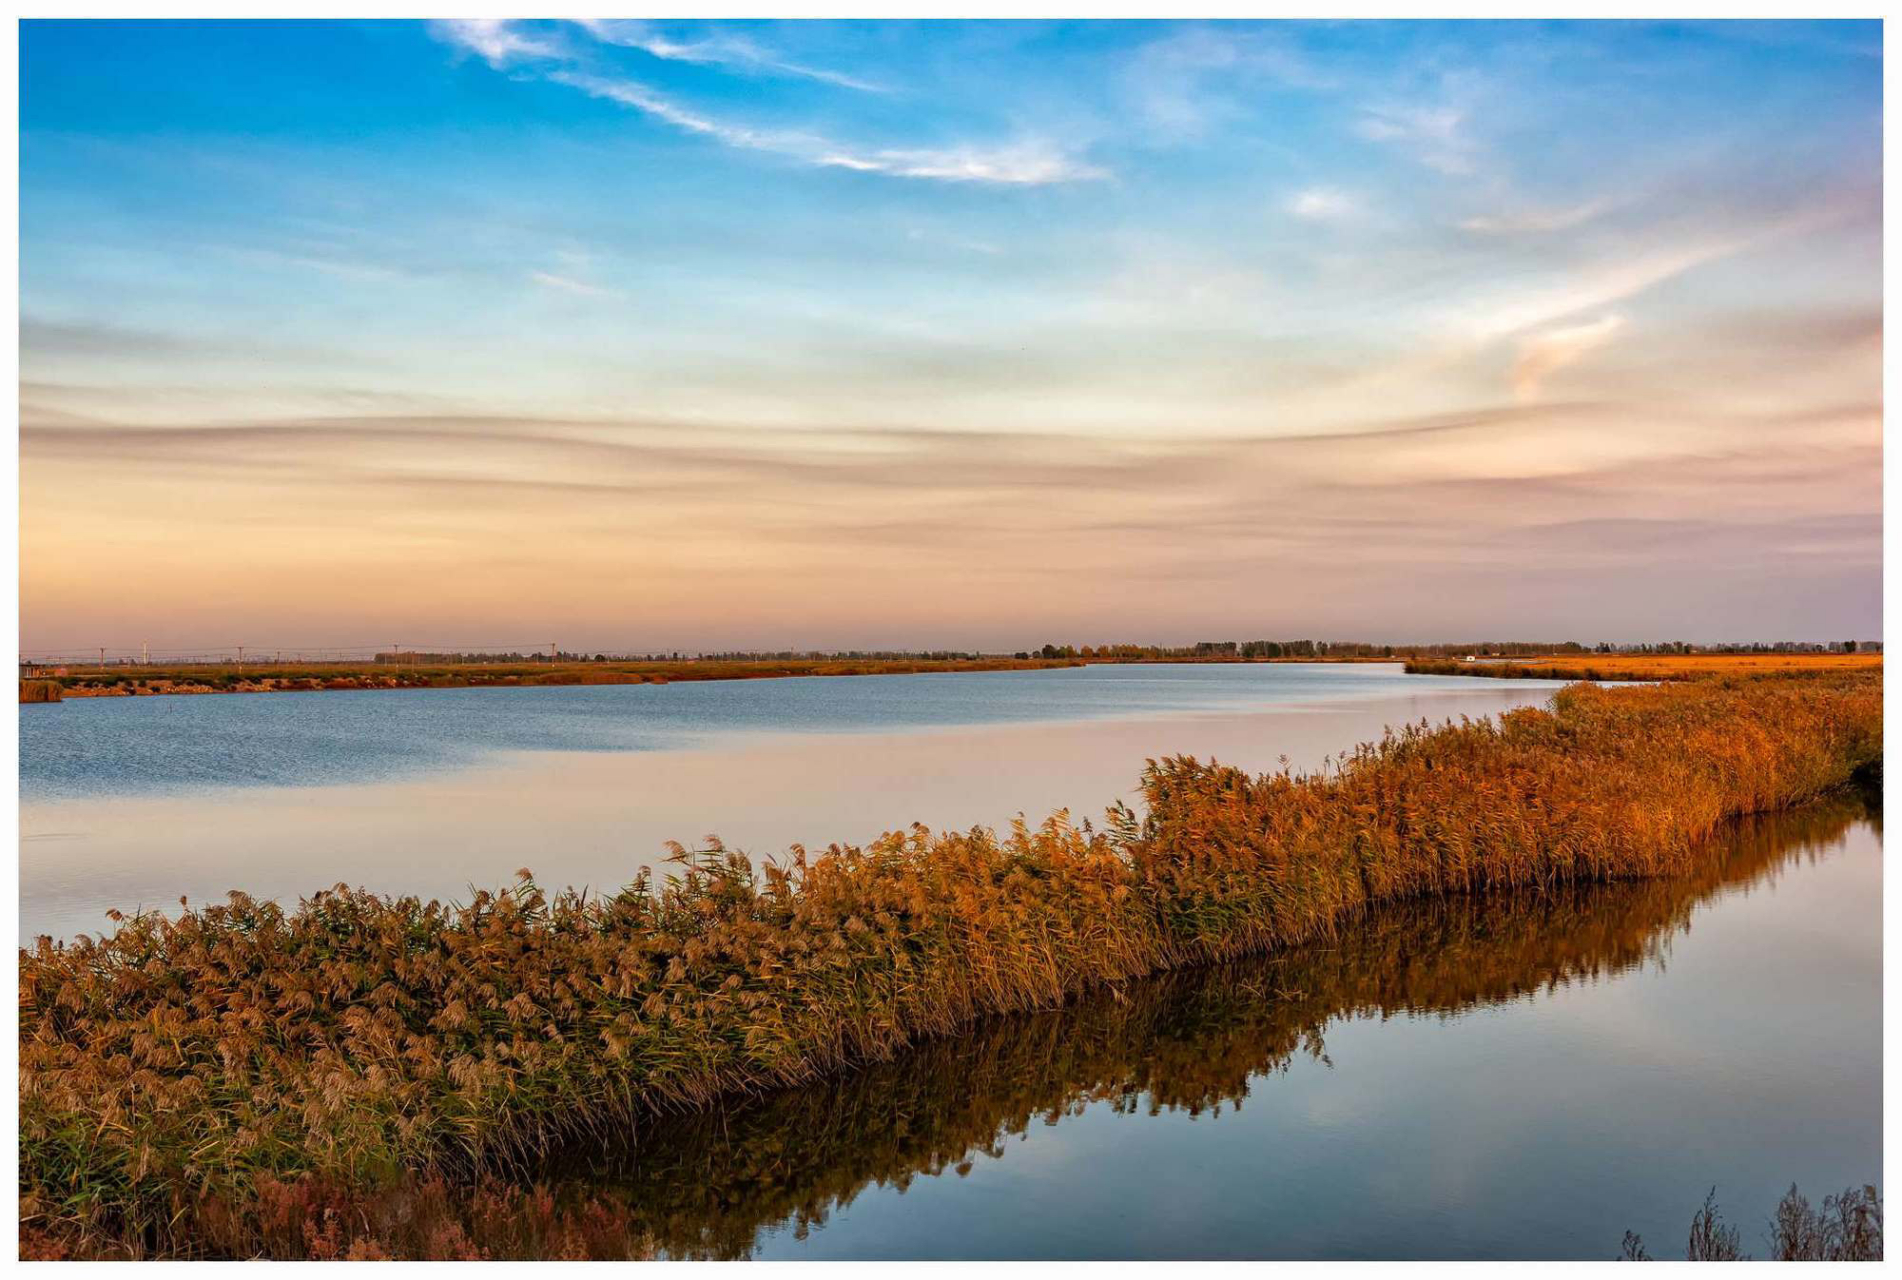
point(358, 1040)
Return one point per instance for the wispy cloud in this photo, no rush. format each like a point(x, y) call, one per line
point(1535, 221)
point(1544, 354)
point(568, 284)
point(1436, 136)
point(1323, 204)
point(1635, 271)
point(1183, 82)
point(1609, 283)
point(1029, 161)
point(329, 264)
point(724, 50)
point(498, 40)
point(631, 93)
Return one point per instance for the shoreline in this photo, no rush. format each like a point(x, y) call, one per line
point(195, 681)
point(288, 678)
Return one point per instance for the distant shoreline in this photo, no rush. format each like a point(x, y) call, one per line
point(325, 677)
point(155, 681)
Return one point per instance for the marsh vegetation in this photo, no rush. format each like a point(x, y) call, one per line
point(1647, 666)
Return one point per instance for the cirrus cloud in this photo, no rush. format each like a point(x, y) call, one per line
point(1022, 161)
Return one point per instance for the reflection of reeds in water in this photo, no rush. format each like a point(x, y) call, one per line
point(706, 1183)
point(1848, 1228)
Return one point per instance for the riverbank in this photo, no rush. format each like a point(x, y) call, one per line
point(358, 1040)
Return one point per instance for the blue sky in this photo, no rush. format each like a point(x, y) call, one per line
point(684, 334)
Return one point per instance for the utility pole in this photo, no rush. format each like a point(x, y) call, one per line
point(102, 657)
point(240, 659)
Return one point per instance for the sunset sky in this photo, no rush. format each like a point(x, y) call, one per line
point(679, 335)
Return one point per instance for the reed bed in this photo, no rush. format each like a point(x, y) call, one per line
point(358, 1040)
point(706, 1183)
point(40, 691)
point(1649, 666)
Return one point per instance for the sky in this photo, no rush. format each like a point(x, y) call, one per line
point(655, 335)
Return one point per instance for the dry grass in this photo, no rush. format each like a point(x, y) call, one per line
point(40, 691)
point(1638, 666)
point(358, 1041)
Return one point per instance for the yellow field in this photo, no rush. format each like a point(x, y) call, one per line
point(1641, 666)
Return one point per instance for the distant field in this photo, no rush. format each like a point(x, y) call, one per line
point(55, 684)
point(140, 681)
point(1616, 666)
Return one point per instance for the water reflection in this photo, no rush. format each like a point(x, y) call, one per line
point(709, 1185)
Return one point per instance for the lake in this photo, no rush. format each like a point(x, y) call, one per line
point(133, 802)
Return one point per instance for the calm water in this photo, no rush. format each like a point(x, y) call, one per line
point(133, 802)
point(1517, 1076)
point(119, 746)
